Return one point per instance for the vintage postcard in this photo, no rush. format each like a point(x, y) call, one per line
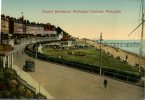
point(72, 49)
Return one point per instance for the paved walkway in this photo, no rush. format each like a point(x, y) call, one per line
point(66, 83)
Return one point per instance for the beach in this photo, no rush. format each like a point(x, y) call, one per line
point(132, 58)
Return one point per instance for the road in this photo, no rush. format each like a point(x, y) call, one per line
point(66, 83)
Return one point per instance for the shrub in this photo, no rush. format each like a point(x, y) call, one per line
point(3, 86)
point(9, 74)
point(6, 94)
point(121, 74)
point(13, 83)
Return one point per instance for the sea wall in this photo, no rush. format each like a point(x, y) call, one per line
point(132, 58)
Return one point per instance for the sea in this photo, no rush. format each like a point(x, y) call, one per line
point(133, 49)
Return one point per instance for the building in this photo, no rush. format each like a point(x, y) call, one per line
point(60, 36)
point(6, 56)
point(50, 33)
point(34, 29)
point(4, 25)
point(4, 30)
point(49, 30)
point(68, 41)
point(31, 29)
point(40, 30)
point(19, 29)
point(13, 29)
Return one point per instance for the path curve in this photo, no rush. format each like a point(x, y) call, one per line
point(66, 83)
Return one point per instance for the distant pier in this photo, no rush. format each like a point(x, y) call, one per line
point(112, 49)
point(135, 44)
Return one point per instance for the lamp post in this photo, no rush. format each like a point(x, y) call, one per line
point(36, 49)
point(101, 53)
point(36, 43)
point(36, 46)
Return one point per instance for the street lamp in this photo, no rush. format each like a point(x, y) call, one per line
point(36, 49)
point(36, 46)
point(101, 53)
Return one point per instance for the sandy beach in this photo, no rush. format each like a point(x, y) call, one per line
point(132, 58)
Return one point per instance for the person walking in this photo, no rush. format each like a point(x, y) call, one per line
point(105, 83)
point(126, 58)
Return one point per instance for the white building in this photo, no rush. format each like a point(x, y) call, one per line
point(6, 56)
point(48, 32)
point(60, 36)
point(31, 29)
point(18, 27)
point(4, 35)
point(34, 29)
point(40, 30)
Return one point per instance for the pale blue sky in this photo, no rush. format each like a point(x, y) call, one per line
point(113, 26)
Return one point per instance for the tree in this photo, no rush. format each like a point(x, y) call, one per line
point(24, 22)
point(59, 30)
point(27, 22)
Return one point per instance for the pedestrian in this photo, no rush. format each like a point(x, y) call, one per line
point(105, 83)
point(126, 57)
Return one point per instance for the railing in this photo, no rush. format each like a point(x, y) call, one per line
point(120, 76)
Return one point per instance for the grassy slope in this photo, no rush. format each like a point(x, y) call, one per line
point(92, 57)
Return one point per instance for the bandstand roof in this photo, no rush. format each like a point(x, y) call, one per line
point(5, 49)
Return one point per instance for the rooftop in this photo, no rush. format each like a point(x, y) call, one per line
point(5, 49)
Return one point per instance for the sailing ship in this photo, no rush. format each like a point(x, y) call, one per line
point(142, 33)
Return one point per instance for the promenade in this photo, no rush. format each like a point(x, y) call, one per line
point(66, 83)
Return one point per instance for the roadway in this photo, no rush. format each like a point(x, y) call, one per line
point(66, 83)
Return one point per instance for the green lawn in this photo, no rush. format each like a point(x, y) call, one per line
point(92, 56)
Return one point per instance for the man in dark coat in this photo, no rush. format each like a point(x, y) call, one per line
point(105, 83)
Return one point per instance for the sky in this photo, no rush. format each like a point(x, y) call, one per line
point(116, 25)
